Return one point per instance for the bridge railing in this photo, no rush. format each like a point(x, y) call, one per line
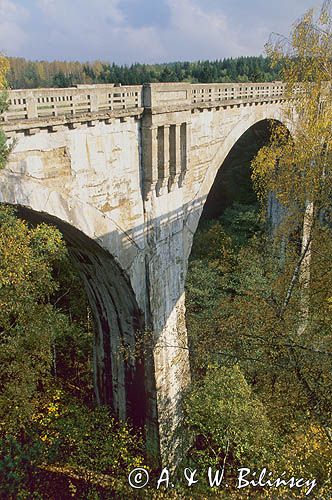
point(237, 91)
point(85, 99)
point(42, 103)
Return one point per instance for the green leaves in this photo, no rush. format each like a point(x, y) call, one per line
point(223, 410)
point(257, 386)
point(28, 321)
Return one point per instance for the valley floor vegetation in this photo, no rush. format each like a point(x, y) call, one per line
point(260, 396)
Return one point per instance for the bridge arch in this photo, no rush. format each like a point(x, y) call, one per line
point(207, 189)
point(213, 197)
point(119, 368)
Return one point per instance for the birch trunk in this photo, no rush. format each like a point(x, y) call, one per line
point(304, 277)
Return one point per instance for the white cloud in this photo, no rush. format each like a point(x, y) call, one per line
point(192, 33)
point(99, 29)
point(81, 29)
point(78, 14)
point(12, 33)
point(200, 33)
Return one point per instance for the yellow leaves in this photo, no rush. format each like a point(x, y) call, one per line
point(294, 165)
point(309, 48)
point(325, 14)
point(277, 156)
point(310, 446)
point(14, 250)
point(4, 67)
point(45, 418)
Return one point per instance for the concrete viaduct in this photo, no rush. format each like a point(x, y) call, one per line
point(124, 172)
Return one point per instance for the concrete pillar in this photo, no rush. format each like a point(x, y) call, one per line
point(178, 154)
point(150, 158)
point(184, 132)
point(94, 103)
point(175, 156)
point(165, 271)
point(163, 160)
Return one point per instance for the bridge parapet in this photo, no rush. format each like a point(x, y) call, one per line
point(235, 91)
point(186, 95)
point(44, 103)
point(33, 104)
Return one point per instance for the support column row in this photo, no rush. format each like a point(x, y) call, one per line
point(165, 153)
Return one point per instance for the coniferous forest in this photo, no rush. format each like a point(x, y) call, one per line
point(31, 74)
point(258, 307)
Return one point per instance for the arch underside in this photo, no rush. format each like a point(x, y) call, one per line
point(232, 182)
point(232, 152)
point(239, 148)
point(118, 364)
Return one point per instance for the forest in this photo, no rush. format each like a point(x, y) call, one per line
point(258, 301)
point(32, 74)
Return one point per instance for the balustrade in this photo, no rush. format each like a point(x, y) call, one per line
point(85, 99)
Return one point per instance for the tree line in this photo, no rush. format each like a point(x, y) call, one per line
point(33, 74)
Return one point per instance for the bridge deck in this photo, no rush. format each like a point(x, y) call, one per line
point(67, 103)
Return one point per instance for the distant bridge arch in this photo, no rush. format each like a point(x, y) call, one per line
point(240, 146)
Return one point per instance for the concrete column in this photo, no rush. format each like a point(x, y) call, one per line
point(94, 106)
point(166, 152)
point(175, 156)
point(178, 154)
point(154, 157)
point(163, 179)
point(150, 159)
point(165, 268)
point(184, 145)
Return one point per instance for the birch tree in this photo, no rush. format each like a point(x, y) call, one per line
point(296, 166)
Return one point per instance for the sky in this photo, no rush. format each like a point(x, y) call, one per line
point(146, 31)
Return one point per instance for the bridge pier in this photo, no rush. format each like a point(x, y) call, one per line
point(165, 268)
point(164, 159)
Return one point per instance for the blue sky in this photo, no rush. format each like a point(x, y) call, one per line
point(126, 31)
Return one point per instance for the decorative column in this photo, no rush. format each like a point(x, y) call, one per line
point(150, 148)
point(174, 156)
point(31, 106)
point(177, 154)
point(163, 160)
point(184, 147)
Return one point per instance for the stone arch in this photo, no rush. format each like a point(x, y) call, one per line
point(230, 141)
point(119, 368)
point(244, 125)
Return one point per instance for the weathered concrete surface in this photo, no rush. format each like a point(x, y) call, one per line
point(127, 188)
